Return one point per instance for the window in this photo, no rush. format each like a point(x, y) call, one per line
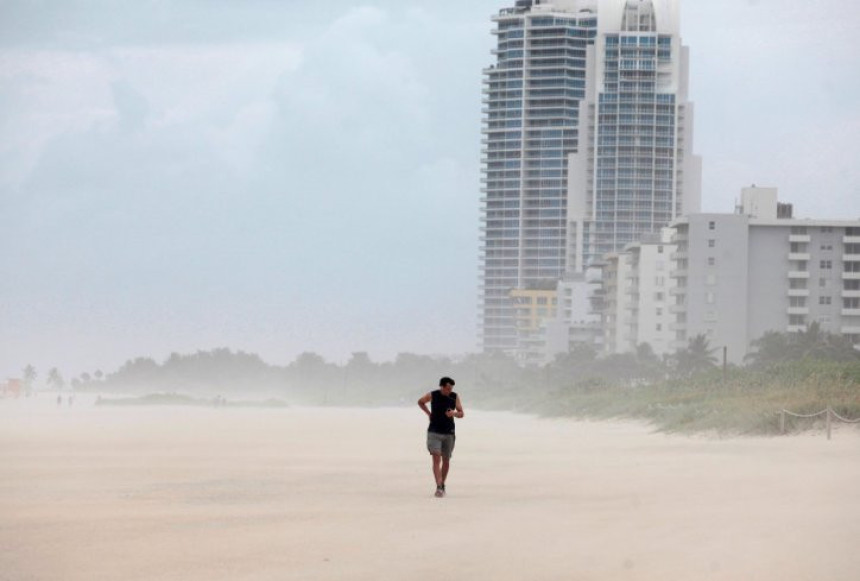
point(659, 312)
point(712, 261)
point(825, 264)
point(824, 300)
point(712, 225)
point(827, 247)
point(659, 250)
point(712, 243)
point(659, 327)
point(822, 283)
point(659, 296)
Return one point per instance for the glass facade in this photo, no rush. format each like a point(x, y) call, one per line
point(532, 95)
point(587, 146)
point(634, 192)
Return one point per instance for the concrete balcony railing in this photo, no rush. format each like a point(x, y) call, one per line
point(851, 293)
point(798, 310)
point(851, 257)
point(799, 274)
point(800, 238)
point(851, 276)
point(805, 256)
point(798, 292)
point(678, 291)
point(795, 328)
point(851, 239)
point(681, 273)
point(850, 330)
point(851, 312)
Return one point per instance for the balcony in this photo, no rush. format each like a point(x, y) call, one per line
point(678, 327)
point(684, 273)
point(850, 275)
point(851, 239)
point(675, 309)
point(678, 291)
point(799, 274)
point(799, 292)
point(804, 256)
point(798, 310)
point(850, 330)
point(851, 257)
point(851, 312)
point(802, 238)
point(851, 293)
point(795, 328)
point(680, 255)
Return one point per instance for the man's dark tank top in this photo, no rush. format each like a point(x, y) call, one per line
point(439, 404)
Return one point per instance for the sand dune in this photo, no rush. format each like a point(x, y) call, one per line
point(95, 494)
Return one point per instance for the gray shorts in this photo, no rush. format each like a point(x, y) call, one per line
point(442, 444)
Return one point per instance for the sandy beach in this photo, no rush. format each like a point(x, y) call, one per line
point(95, 493)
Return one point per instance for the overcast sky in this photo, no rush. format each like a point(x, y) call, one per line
point(284, 176)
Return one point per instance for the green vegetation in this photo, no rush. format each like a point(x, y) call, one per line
point(802, 372)
point(745, 401)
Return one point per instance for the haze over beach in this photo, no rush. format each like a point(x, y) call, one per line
point(242, 239)
point(290, 177)
point(100, 493)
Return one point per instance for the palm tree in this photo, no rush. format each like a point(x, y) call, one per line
point(772, 347)
point(811, 342)
point(55, 378)
point(29, 374)
point(696, 357)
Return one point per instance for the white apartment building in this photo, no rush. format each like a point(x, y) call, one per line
point(637, 305)
point(740, 275)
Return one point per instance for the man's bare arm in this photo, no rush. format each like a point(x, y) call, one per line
point(458, 412)
point(422, 403)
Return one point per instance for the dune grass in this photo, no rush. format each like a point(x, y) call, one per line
point(745, 401)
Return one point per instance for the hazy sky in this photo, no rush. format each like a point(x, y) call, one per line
point(284, 176)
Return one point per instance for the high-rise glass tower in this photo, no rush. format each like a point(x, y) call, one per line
point(636, 172)
point(532, 96)
point(587, 145)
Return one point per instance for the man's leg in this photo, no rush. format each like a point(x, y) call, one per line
point(438, 462)
point(446, 463)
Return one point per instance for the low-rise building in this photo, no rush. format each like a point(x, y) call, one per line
point(741, 275)
point(636, 299)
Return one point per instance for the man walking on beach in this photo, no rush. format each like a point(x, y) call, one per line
point(444, 407)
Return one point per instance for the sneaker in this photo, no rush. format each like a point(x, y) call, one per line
point(440, 491)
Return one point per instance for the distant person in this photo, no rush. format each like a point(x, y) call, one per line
point(444, 407)
point(59, 400)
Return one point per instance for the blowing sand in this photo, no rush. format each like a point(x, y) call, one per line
point(320, 494)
